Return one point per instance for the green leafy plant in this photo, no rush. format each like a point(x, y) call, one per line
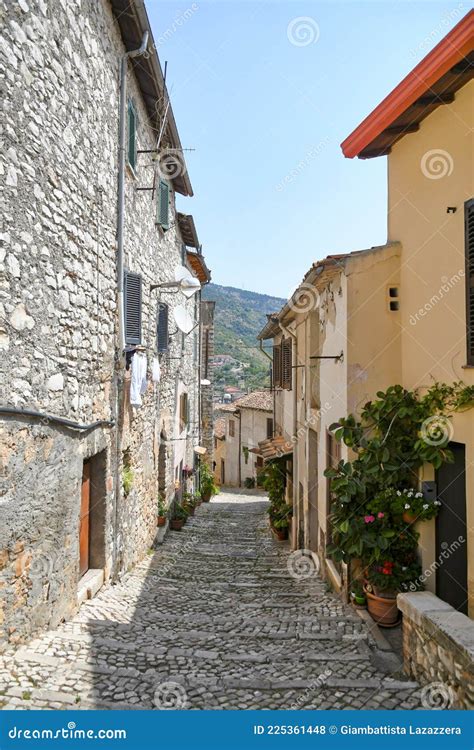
point(207, 482)
point(180, 513)
point(161, 507)
point(249, 483)
point(127, 479)
point(397, 433)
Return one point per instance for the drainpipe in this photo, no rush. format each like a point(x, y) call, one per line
point(121, 180)
point(295, 432)
point(121, 317)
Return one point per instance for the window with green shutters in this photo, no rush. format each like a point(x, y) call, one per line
point(162, 329)
point(133, 307)
point(132, 136)
point(469, 249)
point(162, 205)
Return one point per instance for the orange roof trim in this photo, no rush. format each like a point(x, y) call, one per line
point(452, 49)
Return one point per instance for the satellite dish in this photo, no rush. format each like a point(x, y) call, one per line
point(183, 319)
point(188, 284)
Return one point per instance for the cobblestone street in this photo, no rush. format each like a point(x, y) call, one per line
point(211, 619)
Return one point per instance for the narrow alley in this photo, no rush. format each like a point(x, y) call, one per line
point(220, 616)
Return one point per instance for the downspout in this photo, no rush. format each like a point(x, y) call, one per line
point(121, 181)
point(240, 448)
point(294, 380)
point(121, 317)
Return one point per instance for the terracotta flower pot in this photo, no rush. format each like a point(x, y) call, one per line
point(161, 521)
point(206, 496)
point(383, 609)
point(176, 524)
point(409, 517)
point(281, 534)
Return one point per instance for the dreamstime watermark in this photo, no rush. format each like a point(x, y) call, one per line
point(448, 550)
point(71, 732)
point(437, 696)
point(305, 299)
point(317, 683)
point(303, 31)
point(179, 21)
point(437, 430)
point(303, 164)
point(436, 164)
point(439, 30)
point(170, 696)
point(170, 163)
point(447, 285)
point(37, 565)
point(303, 563)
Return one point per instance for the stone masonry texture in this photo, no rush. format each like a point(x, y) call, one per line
point(58, 329)
point(212, 619)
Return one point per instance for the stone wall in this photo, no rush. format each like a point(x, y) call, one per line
point(438, 650)
point(58, 329)
point(207, 371)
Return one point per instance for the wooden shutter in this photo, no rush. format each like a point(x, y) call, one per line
point(286, 363)
point(133, 307)
point(269, 428)
point(132, 136)
point(277, 366)
point(469, 249)
point(162, 208)
point(183, 410)
point(162, 332)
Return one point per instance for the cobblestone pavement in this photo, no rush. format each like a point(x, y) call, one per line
point(211, 619)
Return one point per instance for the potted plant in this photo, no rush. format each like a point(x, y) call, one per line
point(280, 524)
point(208, 486)
point(189, 503)
point(197, 498)
point(358, 596)
point(161, 512)
point(179, 517)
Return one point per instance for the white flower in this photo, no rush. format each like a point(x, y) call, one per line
point(406, 506)
point(410, 494)
point(437, 502)
point(398, 493)
point(425, 506)
point(419, 494)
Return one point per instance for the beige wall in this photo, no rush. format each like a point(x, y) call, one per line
point(254, 430)
point(432, 282)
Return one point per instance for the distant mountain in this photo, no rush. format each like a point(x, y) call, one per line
point(239, 317)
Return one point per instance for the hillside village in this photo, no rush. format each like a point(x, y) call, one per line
point(213, 498)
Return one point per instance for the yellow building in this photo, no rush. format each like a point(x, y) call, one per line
point(425, 128)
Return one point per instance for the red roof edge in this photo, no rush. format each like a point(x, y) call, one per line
point(449, 51)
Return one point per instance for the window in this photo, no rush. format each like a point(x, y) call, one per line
point(162, 334)
point(269, 428)
point(286, 363)
point(132, 136)
point(183, 411)
point(277, 366)
point(162, 205)
point(393, 301)
point(231, 428)
point(133, 307)
point(469, 249)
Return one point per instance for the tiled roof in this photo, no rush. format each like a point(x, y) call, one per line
point(226, 407)
point(262, 400)
point(219, 427)
point(275, 447)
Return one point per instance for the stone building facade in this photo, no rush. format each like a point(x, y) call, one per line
point(63, 364)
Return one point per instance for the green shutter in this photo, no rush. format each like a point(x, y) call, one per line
point(132, 136)
point(133, 307)
point(162, 206)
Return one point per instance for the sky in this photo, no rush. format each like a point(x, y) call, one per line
point(265, 92)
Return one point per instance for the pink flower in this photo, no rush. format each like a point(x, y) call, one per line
point(380, 515)
point(369, 519)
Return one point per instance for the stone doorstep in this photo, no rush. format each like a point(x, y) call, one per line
point(448, 627)
point(90, 583)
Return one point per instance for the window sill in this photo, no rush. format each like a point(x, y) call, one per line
point(467, 367)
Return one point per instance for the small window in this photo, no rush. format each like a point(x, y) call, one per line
point(183, 411)
point(162, 332)
point(269, 428)
point(132, 136)
point(162, 205)
point(231, 428)
point(133, 307)
point(393, 301)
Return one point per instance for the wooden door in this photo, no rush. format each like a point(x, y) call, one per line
point(451, 531)
point(84, 525)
